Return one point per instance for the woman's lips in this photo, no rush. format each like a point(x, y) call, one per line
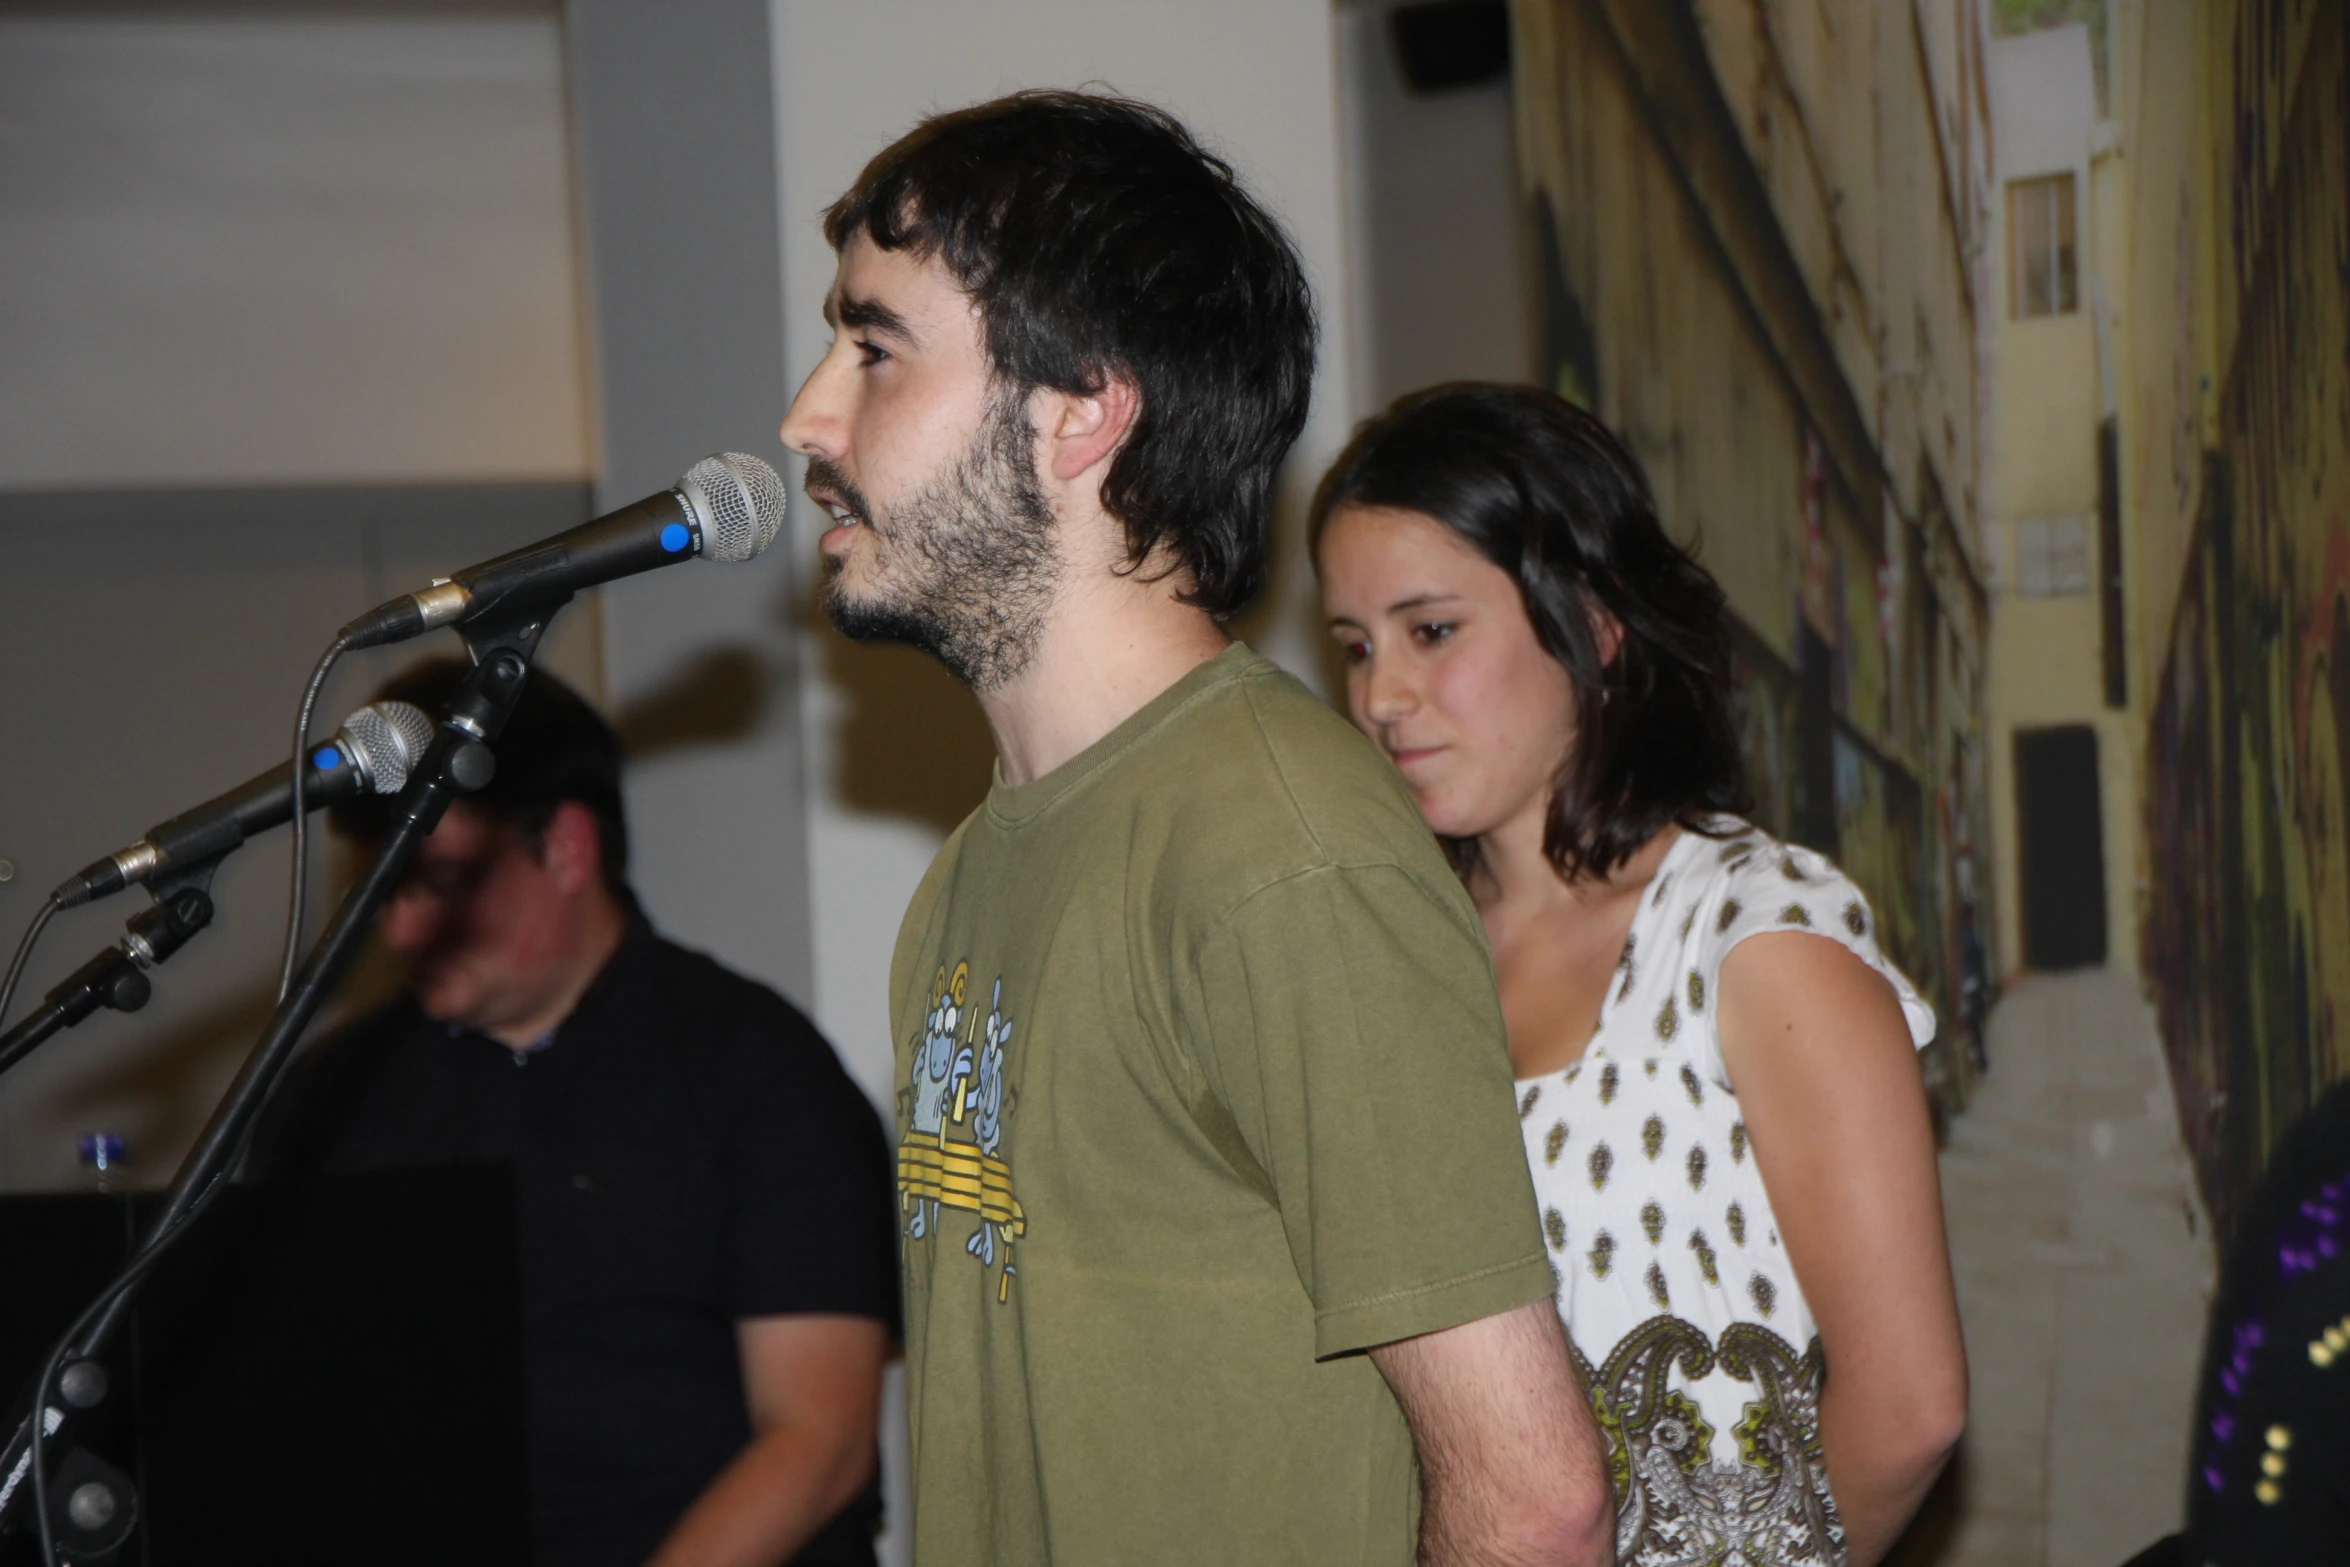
point(1405, 757)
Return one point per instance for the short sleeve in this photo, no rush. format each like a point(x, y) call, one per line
point(809, 1225)
point(1784, 887)
point(1352, 1030)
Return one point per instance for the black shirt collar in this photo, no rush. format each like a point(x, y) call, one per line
point(605, 994)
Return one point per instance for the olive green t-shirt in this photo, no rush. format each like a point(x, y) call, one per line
point(1203, 1088)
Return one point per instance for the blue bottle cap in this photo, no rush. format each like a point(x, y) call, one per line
point(102, 1151)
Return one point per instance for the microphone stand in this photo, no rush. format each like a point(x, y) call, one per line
point(91, 1505)
point(116, 977)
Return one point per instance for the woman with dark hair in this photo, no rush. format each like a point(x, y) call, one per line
point(1716, 1065)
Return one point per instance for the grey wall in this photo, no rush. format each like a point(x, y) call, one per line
point(256, 249)
point(674, 117)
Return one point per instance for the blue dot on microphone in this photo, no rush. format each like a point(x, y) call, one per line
point(326, 758)
point(675, 537)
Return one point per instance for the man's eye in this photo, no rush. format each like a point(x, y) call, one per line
point(870, 353)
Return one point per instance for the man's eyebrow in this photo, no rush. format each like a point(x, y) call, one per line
point(869, 315)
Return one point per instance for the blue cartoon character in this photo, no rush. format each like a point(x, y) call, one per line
point(951, 1157)
point(987, 1122)
point(934, 1073)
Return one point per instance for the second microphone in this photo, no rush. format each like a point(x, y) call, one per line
point(373, 752)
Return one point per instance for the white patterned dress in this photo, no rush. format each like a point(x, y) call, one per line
point(1684, 1312)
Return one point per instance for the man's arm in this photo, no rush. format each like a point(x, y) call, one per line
point(814, 1384)
point(1510, 1459)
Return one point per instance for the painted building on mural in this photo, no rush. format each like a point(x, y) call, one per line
point(2064, 746)
point(2235, 472)
point(1782, 314)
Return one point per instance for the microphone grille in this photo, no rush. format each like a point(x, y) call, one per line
point(739, 502)
point(387, 740)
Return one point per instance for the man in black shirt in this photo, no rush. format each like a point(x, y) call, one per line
point(701, 1193)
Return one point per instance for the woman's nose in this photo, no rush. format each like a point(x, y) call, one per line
point(1389, 692)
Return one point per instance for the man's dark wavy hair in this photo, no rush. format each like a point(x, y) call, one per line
point(1099, 239)
point(555, 747)
point(1544, 491)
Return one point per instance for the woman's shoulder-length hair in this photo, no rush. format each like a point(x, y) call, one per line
point(1547, 493)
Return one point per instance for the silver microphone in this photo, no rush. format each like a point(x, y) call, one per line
point(728, 507)
point(373, 753)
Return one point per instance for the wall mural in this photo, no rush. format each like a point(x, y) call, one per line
point(1860, 621)
point(2247, 943)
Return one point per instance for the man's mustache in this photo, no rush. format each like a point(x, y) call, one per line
point(822, 475)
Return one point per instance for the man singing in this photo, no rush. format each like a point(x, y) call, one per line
point(1210, 1193)
point(700, 1192)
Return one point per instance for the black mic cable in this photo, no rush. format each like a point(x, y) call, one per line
point(24, 952)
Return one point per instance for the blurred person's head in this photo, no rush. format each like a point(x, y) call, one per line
point(517, 898)
point(1521, 636)
point(1066, 343)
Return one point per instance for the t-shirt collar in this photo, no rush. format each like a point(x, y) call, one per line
point(1010, 805)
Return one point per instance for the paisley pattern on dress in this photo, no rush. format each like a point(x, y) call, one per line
point(1687, 1496)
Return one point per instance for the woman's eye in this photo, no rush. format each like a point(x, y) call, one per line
point(1354, 650)
point(1432, 632)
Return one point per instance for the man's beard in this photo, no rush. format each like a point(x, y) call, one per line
point(964, 568)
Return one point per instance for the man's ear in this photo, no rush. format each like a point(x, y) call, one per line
point(571, 847)
point(1085, 431)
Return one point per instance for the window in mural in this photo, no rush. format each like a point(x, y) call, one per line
point(2052, 557)
point(2043, 272)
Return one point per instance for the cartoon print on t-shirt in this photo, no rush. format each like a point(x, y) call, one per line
point(950, 1157)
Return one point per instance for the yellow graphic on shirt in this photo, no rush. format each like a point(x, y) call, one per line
point(948, 1158)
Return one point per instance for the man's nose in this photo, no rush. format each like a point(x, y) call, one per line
point(816, 425)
